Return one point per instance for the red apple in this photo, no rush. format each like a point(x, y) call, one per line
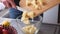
point(5, 31)
point(1, 29)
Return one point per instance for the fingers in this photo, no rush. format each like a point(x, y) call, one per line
point(9, 3)
point(12, 3)
point(6, 4)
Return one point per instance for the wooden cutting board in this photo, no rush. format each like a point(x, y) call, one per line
point(49, 4)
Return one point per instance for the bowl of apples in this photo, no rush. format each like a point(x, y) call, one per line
point(5, 28)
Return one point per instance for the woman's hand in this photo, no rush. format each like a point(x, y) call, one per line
point(9, 3)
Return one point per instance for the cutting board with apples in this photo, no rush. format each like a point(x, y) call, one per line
point(38, 6)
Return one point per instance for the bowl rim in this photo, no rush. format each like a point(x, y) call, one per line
point(19, 20)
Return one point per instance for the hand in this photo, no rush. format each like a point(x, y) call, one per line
point(9, 3)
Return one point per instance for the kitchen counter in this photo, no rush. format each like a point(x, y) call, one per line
point(44, 29)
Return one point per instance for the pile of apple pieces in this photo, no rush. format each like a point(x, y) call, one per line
point(37, 4)
point(26, 15)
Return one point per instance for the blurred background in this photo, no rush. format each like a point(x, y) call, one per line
point(51, 16)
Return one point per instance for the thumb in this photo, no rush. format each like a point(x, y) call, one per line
point(12, 4)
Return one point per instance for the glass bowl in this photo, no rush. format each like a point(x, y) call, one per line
point(35, 24)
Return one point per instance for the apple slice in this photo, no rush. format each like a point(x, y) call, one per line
point(6, 23)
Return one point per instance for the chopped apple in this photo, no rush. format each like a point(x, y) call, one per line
point(5, 23)
point(29, 29)
point(31, 14)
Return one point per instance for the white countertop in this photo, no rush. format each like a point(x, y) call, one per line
point(45, 29)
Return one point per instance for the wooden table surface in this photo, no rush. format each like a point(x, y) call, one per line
point(50, 4)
